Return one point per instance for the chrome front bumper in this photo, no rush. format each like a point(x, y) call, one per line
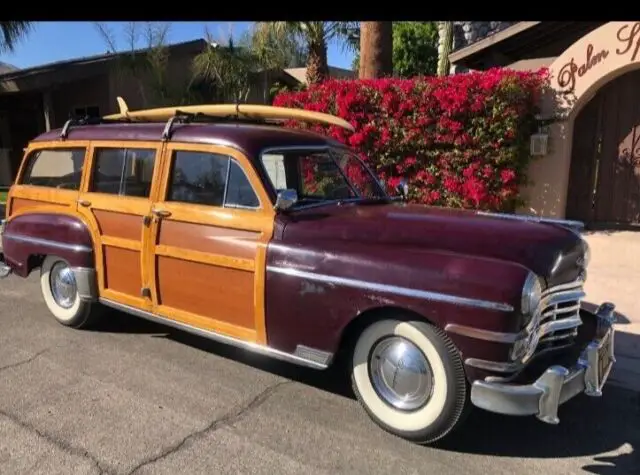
point(557, 384)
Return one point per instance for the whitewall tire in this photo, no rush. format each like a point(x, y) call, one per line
point(409, 378)
point(60, 293)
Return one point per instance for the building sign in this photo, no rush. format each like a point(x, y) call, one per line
point(628, 38)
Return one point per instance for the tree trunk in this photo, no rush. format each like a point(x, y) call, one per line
point(445, 30)
point(376, 49)
point(317, 65)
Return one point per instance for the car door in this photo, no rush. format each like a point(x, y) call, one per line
point(211, 225)
point(116, 201)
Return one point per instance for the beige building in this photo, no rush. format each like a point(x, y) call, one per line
point(591, 168)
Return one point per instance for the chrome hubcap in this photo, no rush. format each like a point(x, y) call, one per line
point(400, 373)
point(63, 285)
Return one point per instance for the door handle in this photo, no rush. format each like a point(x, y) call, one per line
point(84, 203)
point(161, 213)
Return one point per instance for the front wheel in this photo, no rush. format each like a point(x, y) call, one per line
point(409, 378)
point(60, 292)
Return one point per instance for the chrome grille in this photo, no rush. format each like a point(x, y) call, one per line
point(560, 314)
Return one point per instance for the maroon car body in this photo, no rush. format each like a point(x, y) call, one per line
point(503, 292)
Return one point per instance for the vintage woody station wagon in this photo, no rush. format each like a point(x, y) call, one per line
point(283, 242)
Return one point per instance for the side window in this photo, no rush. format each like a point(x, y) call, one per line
point(55, 168)
point(123, 171)
point(209, 179)
point(239, 191)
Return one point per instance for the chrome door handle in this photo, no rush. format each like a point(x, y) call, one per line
point(84, 203)
point(161, 213)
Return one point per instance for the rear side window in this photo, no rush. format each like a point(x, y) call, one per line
point(55, 168)
point(123, 171)
point(210, 179)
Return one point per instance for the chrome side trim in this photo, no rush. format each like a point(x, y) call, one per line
point(392, 289)
point(47, 242)
point(86, 282)
point(572, 224)
point(313, 354)
point(253, 347)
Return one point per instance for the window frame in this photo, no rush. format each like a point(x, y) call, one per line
point(143, 146)
point(223, 154)
point(27, 164)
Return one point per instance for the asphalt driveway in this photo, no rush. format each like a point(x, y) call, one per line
point(135, 397)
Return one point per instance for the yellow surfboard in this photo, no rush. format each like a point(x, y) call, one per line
point(256, 111)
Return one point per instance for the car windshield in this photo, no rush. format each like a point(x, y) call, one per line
point(322, 175)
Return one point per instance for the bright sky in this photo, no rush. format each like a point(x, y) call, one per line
point(55, 41)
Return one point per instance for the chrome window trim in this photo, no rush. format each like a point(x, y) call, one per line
point(392, 289)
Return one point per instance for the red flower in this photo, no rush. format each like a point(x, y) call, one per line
point(460, 140)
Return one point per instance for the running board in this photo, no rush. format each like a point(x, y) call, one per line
point(321, 359)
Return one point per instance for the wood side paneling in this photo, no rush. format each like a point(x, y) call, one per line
point(210, 291)
point(209, 239)
point(121, 225)
point(21, 205)
point(123, 270)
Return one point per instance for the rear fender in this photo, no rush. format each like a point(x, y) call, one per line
point(28, 237)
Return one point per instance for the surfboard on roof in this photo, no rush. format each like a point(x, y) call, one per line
point(253, 111)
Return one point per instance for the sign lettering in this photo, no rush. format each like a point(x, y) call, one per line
point(571, 71)
point(629, 38)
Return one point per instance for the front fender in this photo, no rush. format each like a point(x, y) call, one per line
point(38, 234)
point(314, 290)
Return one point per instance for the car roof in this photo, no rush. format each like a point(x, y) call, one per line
point(250, 138)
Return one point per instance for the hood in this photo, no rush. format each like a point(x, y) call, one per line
point(534, 245)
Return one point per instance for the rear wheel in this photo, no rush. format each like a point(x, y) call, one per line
point(60, 292)
point(409, 378)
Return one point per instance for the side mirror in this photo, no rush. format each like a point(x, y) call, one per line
point(403, 189)
point(286, 199)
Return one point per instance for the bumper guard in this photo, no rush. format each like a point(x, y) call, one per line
point(557, 384)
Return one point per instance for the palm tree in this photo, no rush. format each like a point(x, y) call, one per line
point(11, 32)
point(376, 49)
point(316, 35)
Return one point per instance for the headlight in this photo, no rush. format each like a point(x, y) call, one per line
point(531, 295)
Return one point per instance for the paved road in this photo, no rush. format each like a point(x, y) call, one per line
point(135, 397)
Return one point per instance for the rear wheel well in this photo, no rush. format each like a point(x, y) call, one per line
point(356, 326)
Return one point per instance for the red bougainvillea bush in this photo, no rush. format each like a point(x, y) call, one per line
point(460, 140)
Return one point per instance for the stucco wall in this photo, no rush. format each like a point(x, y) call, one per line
point(576, 75)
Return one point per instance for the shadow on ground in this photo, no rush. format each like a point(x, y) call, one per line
point(588, 427)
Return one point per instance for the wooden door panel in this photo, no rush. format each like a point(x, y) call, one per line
point(208, 262)
point(119, 230)
point(205, 267)
point(120, 234)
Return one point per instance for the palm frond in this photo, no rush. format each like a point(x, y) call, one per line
point(13, 31)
